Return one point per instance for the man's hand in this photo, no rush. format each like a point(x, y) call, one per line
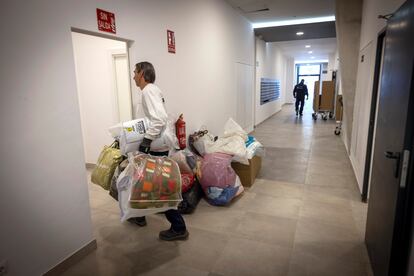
point(294, 96)
point(307, 98)
point(145, 145)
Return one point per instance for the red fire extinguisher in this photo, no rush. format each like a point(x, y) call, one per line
point(180, 132)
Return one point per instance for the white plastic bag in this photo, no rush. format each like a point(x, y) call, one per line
point(203, 144)
point(233, 142)
point(255, 148)
point(231, 128)
point(132, 133)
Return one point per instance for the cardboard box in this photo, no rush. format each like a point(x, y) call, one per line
point(248, 173)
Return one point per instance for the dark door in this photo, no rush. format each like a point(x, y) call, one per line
point(388, 187)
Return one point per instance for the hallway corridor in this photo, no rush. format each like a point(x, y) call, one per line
point(303, 216)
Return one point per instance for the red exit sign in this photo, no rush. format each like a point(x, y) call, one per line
point(106, 21)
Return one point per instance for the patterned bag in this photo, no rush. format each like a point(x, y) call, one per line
point(156, 182)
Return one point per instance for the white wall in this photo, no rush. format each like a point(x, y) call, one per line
point(370, 28)
point(290, 80)
point(97, 97)
point(271, 63)
point(44, 197)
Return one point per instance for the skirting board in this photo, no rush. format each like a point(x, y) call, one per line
point(73, 259)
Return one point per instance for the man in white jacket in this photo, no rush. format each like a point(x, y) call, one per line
point(154, 109)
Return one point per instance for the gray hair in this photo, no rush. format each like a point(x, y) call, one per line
point(148, 69)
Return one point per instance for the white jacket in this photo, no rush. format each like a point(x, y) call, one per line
point(153, 105)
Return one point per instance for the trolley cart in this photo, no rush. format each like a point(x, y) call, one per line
point(338, 115)
point(323, 103)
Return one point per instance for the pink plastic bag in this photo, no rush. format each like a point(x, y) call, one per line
point(217, 171)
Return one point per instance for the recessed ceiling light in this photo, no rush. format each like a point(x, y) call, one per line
point(294, 22)
point(310, 52)
point(300, 33)
point(307, 46)
point(312, 57)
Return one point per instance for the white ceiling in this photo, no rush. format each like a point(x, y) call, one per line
point(283, 9)
point(321, 48)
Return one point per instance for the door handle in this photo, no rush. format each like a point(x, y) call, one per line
point(397, 157)
point(392, 155)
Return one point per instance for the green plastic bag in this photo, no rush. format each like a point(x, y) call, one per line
point(108, 160)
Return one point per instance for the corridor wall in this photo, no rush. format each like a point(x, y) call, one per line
point(44, 200)
point(270, 63)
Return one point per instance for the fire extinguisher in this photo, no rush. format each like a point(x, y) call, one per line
point(180, 132)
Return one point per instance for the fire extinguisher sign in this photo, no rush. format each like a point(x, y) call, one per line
point(171, 41)
point(106, 21)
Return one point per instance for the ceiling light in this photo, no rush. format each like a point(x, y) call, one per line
point(300, 33)
point(293, 22)
point(307, 46)
point(312, 57)
point(310, 52)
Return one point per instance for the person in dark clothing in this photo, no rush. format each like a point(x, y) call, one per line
point(154, 109)
point(299, 93)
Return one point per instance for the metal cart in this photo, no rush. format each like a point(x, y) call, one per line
point(323, 100)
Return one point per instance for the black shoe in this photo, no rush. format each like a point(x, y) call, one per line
point(171, 235)
point(140, 221)
point(296, 113)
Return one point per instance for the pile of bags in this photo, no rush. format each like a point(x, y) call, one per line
point(145, 184)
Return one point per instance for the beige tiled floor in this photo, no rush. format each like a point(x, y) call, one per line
point(303, 216)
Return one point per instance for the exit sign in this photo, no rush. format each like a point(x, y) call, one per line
point(106, 21)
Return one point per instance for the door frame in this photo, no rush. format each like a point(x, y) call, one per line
point(372, 116)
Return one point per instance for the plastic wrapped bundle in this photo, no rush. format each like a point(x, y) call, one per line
point(155, 182)
point(148, 185)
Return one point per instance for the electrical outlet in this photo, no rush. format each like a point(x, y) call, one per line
point(3, 267)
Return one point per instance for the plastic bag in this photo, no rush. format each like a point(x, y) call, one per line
point(231, 128)
point(198, 146)
point(187, 180)
point(238, 184)
point(132, 133)
point(203, 143)
point(220, 197)
point(156, 182)
point(113, 191)
point(191, 159)
point(255, 148)
point(181, 160)
point(191, 199)
point(216, 171)
point(148, 185)
point(233, 142)
point(225, 196)
point(108, 160)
